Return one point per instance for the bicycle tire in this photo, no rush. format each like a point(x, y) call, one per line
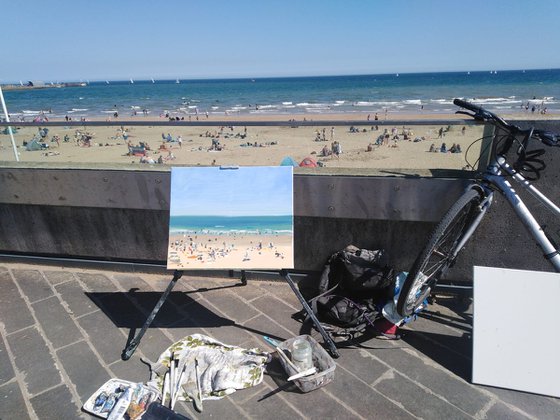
point(439, 252)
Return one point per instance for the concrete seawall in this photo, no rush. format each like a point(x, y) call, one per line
point(122, 214)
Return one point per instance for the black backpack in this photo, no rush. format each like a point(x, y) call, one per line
point(354, 286)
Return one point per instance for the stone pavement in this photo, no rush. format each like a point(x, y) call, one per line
point(63, 331)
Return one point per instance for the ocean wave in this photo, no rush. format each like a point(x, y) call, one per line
point(442, 101)
point(413, 102)
point(80, 109)
point(31, 112)
point(287, 103)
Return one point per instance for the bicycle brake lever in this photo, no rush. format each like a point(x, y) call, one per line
point(465, 113)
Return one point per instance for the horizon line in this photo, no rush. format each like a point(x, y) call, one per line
point(191, 78)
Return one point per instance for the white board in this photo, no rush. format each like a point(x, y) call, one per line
point(516, 340)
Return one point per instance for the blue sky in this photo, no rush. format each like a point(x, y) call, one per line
point(246, 191)
point(120, 39)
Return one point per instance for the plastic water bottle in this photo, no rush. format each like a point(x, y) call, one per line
point(389, 311)
point(302, 356)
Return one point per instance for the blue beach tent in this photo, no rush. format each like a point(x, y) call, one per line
point(288, 161)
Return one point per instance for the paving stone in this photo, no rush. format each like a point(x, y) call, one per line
point(33, 360)
point(33, 284)
point(229, 335)
point(103, 335)
point(453, 389)
point(278, 311)
point(153, 343)
point(501, 411)
point(168, 314)
point(262, 325)
point(225, 408)
point(539, 406)
point(14, 313)
point(56, 403)
point(431, 346)
point(323, 405)
point(180, 332)
point(363, 399)
point(83, 368)
point(131, 281)
point(76, 298)
point(272, 407)
point(202, 315)
point(361, 363)
point(6, 369)
point(249, 292)
point(119, 308)
point(56, 322)
point(97, 282)
point(132, 370)
point(417, 400)
point(12, 404)
point(233, 307)
point(57, 277)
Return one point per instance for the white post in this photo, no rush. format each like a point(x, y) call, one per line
point(9, 127)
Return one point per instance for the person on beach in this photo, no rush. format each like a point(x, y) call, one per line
point(332, 133)
point(443, 148)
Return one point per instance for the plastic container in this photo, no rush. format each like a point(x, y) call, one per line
point(302, 355)
point(324, 364)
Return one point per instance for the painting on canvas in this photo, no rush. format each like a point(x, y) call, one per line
point(231, 218)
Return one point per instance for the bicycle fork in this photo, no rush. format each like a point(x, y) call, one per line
point(484, 206)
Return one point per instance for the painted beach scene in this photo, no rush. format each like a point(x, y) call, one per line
point(231, 218)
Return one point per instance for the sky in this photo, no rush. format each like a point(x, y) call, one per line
point(245, 191)
point(57, 40)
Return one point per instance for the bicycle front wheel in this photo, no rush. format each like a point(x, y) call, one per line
point(439, 253)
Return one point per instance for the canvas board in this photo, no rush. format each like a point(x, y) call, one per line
point(231, 218)
point(515, 332)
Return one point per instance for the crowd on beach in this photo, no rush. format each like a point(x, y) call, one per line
point(204, 248)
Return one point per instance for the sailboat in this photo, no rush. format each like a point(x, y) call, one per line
point(106, 81)
point(153, 81)
point(131, 81)
point(177, 81)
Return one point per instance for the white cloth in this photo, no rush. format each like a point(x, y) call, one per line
point(222, 368)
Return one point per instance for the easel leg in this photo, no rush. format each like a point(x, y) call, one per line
point(326, 337)
point(133, 344)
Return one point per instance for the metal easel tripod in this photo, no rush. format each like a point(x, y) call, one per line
point(133, 344)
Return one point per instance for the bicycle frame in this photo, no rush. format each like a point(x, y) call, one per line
point(494, 177)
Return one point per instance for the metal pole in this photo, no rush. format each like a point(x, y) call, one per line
point(9, 127)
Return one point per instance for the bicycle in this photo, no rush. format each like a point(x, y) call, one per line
point(462, 219)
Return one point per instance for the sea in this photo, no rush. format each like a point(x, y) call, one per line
point(407, 93)
point(228, 225)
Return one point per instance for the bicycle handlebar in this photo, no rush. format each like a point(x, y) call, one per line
point(482, 114)
point(546, 137)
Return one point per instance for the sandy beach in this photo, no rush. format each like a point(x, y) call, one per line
point(226, 251)
point(405, 147)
